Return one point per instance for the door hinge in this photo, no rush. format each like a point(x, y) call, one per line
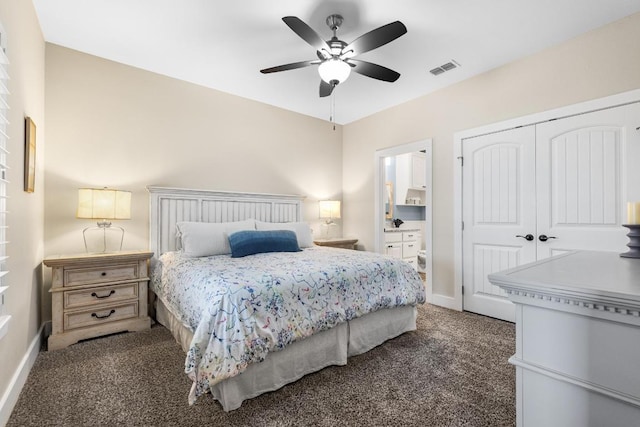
point(463, 290)
point(461, 160)
point(462, 225)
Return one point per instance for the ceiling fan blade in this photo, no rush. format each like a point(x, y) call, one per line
point(374, 71)
point(374, 39)
point(307, 34)
point(291, 66)
point(325, 88)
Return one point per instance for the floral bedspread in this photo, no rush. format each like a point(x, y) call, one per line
point(240, 309)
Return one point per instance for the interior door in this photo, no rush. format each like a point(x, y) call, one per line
point(582, 180)
point(498, 181)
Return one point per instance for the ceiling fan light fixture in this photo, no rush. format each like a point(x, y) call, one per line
point(336, 57)
point(334, 70)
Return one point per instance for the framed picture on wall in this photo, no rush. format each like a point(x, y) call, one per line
point(29, 155)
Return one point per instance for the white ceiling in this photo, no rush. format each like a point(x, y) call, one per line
point(223, 45)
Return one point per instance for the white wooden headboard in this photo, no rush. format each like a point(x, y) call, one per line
point(167, 206)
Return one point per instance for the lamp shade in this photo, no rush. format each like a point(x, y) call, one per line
point(334, 70)
point(329, 209)
point(103, 203)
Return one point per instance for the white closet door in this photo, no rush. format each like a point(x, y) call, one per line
point(498, 205)
point(583, 170)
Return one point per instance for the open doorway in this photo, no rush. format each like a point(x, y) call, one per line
point(403, 205)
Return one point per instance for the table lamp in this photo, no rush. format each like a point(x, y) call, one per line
point(103, 204)
point(329, 210)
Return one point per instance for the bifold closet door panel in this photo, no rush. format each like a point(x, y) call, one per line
point(498, 206)
point(586, 170)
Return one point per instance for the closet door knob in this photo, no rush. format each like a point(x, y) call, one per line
point(528, 237)
point(544, 238)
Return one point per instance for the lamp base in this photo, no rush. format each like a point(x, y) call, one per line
point(327, 226)
point(103, 238)
point(634, 241)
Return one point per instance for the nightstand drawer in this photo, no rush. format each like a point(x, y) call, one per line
point(111, 273)
point(103, 295)
point(97, 316)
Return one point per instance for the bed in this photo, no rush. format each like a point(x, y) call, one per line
point(249, 325)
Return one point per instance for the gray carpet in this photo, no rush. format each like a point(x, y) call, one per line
point(452, 371)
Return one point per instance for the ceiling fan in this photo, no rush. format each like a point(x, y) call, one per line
point(335, 57)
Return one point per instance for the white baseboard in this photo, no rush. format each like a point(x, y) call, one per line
point(10, 397)
point(445, 301)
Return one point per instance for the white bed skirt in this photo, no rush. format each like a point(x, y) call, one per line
point(327, 348)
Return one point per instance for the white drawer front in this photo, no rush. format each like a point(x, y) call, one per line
point(412, 261)
point(410, 249)
point(409, 236)
point(392, 237)
point(596, 351)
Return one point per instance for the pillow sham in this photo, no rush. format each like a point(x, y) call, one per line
point(209, 238)
point(302, 230)
point(250, 242)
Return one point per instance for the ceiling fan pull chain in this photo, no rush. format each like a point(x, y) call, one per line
point(333, 109)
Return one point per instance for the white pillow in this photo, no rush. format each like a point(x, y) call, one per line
point(302, 230)
point(209, 238)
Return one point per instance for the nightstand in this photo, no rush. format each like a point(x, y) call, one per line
point(337, 242)
point(97, 294)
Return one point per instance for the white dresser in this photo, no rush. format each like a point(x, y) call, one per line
point(403, 244)
point(577, 339)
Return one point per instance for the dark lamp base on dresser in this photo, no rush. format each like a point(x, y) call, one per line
point(634, 241)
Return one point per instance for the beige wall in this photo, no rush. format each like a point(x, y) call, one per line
point(113, 125)
point(26, 51)
point(600, 63)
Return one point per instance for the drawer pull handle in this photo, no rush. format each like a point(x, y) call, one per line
point(93, 294)
point(104, 273)
point(102, 317)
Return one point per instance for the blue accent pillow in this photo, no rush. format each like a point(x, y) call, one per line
point(249, 242)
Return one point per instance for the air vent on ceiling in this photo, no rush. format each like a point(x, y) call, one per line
point(444, 67)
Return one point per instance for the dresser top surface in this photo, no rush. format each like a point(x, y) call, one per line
point(90, 258)
point(590, 273)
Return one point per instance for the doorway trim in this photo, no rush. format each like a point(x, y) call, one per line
point(616, 100)
point(379, 188)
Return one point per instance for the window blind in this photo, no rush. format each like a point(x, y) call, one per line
point(4, 154)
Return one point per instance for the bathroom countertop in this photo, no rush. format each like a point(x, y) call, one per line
point(395, 230)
